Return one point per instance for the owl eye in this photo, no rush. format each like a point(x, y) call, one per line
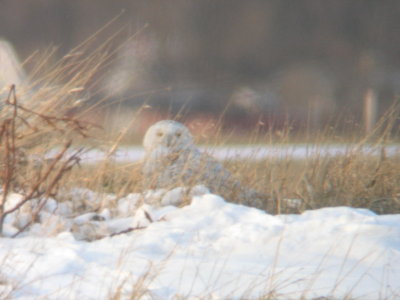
point(159, 133)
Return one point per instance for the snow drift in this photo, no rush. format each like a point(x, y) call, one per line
point(208, 249)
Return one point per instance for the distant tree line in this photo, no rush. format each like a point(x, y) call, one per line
point(288, 54)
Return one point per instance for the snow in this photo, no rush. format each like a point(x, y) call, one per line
point(209, 249)
point(294, 151)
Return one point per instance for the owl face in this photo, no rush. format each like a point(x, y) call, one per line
point(167, 134)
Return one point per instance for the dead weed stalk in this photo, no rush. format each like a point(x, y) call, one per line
point(46, 175)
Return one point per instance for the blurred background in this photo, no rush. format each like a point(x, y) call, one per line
point(261, 63)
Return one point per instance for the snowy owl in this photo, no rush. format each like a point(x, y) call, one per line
point(172, 160)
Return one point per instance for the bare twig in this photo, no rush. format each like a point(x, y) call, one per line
point(130, 229)
point(45, 183)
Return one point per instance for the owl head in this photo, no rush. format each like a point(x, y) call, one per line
point(168, 135)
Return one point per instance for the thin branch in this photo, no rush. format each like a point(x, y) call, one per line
point(38, 183)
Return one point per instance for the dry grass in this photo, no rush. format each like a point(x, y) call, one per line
point(36, 180)
point(38, 130)
point(363, 175)
point(357, 178)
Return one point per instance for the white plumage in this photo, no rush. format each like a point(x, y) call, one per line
point(172, 159)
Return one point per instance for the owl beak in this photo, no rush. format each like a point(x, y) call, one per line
point(169, 141)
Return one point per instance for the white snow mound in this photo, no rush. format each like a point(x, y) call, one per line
point(208, 249)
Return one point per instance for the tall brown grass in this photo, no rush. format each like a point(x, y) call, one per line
point(54, 106)
point(363, 175)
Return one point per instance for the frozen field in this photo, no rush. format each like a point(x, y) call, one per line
point(297, 151)
point(210, 249)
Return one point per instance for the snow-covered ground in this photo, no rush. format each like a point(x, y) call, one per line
point(294, 151)
point(208, 249)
